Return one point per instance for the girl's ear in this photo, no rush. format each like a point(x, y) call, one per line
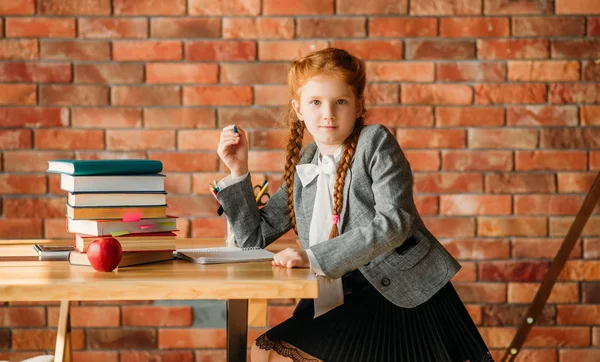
point(296, 107)
point(360, 106)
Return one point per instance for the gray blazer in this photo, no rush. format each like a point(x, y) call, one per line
point(381, 232)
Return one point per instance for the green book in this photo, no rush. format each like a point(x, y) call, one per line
point(105, 167)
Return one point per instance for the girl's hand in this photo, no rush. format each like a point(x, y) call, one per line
point(233, 150)
point(291, 257)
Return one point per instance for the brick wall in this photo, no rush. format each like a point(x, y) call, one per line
point(494, 101)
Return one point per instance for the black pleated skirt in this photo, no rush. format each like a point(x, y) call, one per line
point(367, 327)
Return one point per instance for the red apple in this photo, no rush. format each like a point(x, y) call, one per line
point(105, 254)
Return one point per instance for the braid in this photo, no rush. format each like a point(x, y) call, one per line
point(342, 170)
point(293, 151)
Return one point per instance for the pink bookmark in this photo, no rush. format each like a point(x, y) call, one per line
point(132, 216)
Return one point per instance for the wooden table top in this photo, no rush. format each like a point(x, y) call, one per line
point(33, 280)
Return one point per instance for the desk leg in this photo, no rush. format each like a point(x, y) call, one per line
point(62, 353)
point(237, 329)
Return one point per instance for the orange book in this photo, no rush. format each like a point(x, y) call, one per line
point(115, 212)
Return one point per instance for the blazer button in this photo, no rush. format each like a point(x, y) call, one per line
point(385, 282)
point(367, 264)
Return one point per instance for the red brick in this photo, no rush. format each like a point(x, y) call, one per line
point(35, 117)
point(402, 27)
point(550, 160)
point(440, 49)
point(474, 27)
point(545, 26)
point(22, 184)
point(575, 48)
point(543, 71)
point(590, 70)
point(198, 139)
point(176, 183)
point(21, 228)
point(19, 49)
point(463, 116)
point(540, 248)
point(478, 248)
point(109, 73)
point(69, 139)
point(481, 292)
point(217, 95)
point(110, 28)
point(377, 7)
point(271, 139)
point(450, 226)
point(74, 50)
point(559, 225)
point(186, 161)
point(519, 183)
point(423, 160)
point(495, 7)
point(590, 115)
point(258, 28)
point(577, 7)
point(501, 315)
point(55, 228)
point(541, 116)
point(593, 26)
point(510, 93)
point(157, 316)
point(307, 7)
point(161, 356)
point(148, 7)
point(400, 71)
point(590, 294)
point(381, 94)
point(264, 161)
point(477, 160)
point(28, 339)
point(22, 317)
point(191, 338)
point(436, 94)
point(81, 7)
point(194, 206)
point(96, 356)
point(185, 28)
point(39, 207)
point(525, 292)
point(88, 316)
point(40, 27)
point(581, 270)
point(559, 336)
point(467, 273)
point(218, 355)
point(449, 7)
point(179, 118)
point(248, 117)
point(212, 228)
point(17, 7)
point(574, 93)
point(448, 182)
point(288, 50)
point(512, 226)
point(575, 181)
point(271, 95)
point(278, 314)
point(32, 161)
point(141, 95)
point(337, 27)
point(15, 139)
point(578, 314)
point(426, 138)
point(220, 50)
point(18, 94)
point(427, 205)
point(371, 49)
point(13, 356)
point(582, 138)
point(233, 7)
point(512, 48)
point(462, 72)
point(147, 50)
point(594, 160)
point(579, 355)
point(502, 138)
point(181, 73)
point(73, 95)
point(121, 339)
point(140, 140)
point(35, 72)
point(106, 118)
point(475, 204)
point(512, 270)
point(253, 73)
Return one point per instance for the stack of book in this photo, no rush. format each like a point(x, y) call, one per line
point(122, 199)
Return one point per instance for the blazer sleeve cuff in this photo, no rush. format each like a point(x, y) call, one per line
point(314, 263)
point(230, 180)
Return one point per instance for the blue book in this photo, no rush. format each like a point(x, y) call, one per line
point(104, 167)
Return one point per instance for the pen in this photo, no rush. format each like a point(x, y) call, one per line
point(235, 129)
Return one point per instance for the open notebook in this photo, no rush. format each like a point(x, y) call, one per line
point(225, 254)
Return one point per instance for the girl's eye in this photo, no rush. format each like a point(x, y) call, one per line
point(341, 101)
point(315, 102)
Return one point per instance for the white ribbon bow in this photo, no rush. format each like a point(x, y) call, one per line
point(331, 293)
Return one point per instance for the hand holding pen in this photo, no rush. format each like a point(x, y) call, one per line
point(233, 150)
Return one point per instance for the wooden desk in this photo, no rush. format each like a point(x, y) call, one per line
point(23, 278)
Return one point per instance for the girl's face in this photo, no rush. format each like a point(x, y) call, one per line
point(329, 109)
